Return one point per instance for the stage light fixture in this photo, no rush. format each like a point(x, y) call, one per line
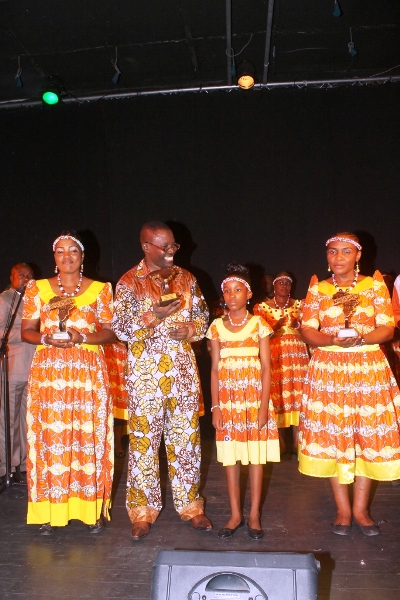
point(245, 74)
point(52, 89)
point(337, 11)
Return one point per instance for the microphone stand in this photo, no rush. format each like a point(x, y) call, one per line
point(4, 386)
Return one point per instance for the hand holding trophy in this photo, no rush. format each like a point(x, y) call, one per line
point(348, 302)
point(64, 306)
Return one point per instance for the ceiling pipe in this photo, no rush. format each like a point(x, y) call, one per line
point(228, 88)
point(268, 35)
point(229, 40)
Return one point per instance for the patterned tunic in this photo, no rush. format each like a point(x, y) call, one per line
point(163, 386)
point(350, 415)
point(69, 413)
point(240, 387)
point(289, 361)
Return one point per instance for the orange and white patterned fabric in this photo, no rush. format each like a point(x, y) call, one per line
point(239, 380)
point(115, 354)
point(289, 362)
point(69, 414)
point(350, 415)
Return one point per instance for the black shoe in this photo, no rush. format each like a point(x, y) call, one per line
point(255, 534)
point(226, 532)
point(19, 477)
point(98, 527)
point(370, 530)
point(46, 529)
point(340, 529)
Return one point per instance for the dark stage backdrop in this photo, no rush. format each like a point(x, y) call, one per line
point(257, 177)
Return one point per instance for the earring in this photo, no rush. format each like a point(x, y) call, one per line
point(357, 267)
point(81, 267)
point(329, 269)
point(248, 301)
point(56, 269)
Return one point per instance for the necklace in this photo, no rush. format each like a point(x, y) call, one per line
point(338, 289)
point(284, 306)
point(76, 290)
point(238, 324)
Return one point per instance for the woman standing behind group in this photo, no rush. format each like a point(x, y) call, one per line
point(69, 411)
point(350, 416)
point(289, 356)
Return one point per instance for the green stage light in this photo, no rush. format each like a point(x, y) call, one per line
point(52, 90)
point(50, 98)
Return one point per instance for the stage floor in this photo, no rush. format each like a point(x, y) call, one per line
point(296, 517)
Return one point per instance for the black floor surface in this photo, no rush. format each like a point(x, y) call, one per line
point(296, 516)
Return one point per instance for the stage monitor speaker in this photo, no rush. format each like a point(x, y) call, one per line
point(203, 575)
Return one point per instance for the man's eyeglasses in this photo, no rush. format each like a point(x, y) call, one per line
point(173, 246)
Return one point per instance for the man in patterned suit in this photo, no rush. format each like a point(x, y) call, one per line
point(162, 380)
point(19, 358)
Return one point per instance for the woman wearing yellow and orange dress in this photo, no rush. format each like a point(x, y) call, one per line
point(289, 356)
point(69, 411)
point(350, 415)
point(116, 355)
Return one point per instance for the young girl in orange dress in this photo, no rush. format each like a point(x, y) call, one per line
point(242, 412)
point(350, 415)
point(289, 356)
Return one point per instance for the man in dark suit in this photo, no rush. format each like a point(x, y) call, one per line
point(19, 358)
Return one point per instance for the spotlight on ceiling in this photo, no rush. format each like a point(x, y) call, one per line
point(52, 89)
point(245, 74)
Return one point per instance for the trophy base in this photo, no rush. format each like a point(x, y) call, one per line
point(168, 299)
point(61, 336)
point(347, 333)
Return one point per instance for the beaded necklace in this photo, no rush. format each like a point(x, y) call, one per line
point(238, 324)
point(338, 289)
point(284, 306)
point(74, 293)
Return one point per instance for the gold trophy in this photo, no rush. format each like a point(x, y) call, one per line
point(165, 278)
point(64, 306)
point(348, 302)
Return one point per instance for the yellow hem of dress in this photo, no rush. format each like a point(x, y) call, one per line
point(329, 467)
point(58, 515)
point(251, 452)
point(288, 419)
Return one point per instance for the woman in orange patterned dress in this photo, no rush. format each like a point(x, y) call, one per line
point(350, 416)
point(242, 412)
point(289, 356)
point(69, 411)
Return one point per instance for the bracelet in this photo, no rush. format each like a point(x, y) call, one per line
point(362, 342)
point(214, 407)
point(84, 338)
point(43, 340)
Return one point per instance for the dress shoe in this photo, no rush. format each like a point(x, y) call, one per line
point(370, 530)
point(226, 532)
point(46, 529)
point(201, 522)
point(255, 534)
point(340, 529)
point(19, 477)
point(98, 527)
point(140, 529)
